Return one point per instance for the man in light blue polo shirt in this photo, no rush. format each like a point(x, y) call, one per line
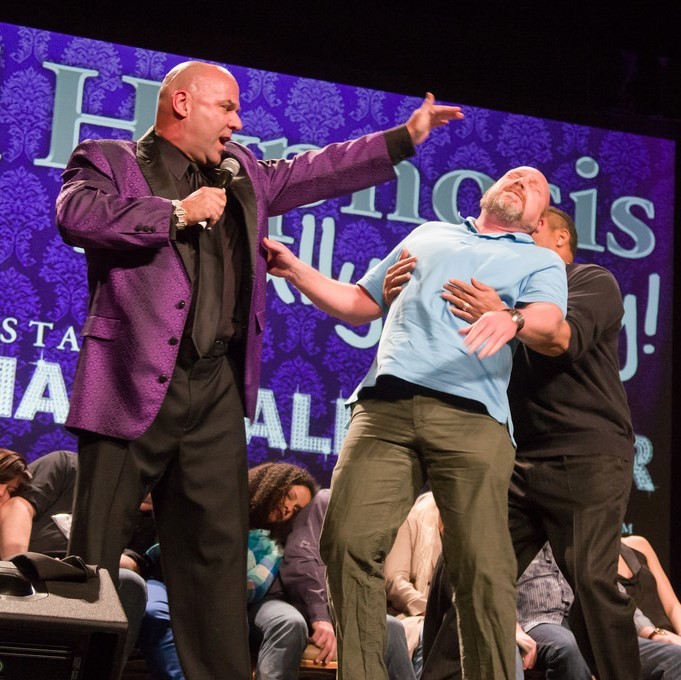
point(433, 407)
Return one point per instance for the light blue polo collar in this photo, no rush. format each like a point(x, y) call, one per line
point(518, 236)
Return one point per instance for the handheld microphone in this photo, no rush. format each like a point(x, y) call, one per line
point(229, 169)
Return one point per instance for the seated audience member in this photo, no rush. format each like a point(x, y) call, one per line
point(302, 576)
point(26, 521)
point(26, 524)
point(409, 568)
point(14, 476)
point(543, 638)
point(658, 619)
point(283, 506)
point(277, 631)
point(543, 601)
point(441, 653)
point(278, 491)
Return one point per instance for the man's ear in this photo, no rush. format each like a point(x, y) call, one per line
point(180, 100)
point(542, 223)
point(563, 237)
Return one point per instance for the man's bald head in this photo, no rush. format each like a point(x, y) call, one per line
point(198, 110)
point(515, 202)
point(188, 76)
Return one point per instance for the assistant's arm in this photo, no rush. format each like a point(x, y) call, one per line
point(493, 330)
point(469, 301)
point(594, 309)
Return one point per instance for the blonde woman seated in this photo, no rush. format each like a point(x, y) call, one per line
point(409, 570)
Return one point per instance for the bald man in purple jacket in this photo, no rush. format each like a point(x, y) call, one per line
point(170, 356)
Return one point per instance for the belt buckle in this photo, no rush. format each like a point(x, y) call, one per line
point(220, 348)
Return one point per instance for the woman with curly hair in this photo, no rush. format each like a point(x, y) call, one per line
point(278, 491)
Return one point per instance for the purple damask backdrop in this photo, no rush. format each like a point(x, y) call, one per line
point(57, 89)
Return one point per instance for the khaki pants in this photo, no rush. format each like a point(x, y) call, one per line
point(391, 449)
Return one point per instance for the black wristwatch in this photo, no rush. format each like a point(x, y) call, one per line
point(517, 318)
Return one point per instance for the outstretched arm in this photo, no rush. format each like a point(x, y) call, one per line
point(429, 116)
point(347, 302)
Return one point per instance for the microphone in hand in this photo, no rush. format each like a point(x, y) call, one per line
point(228, 170)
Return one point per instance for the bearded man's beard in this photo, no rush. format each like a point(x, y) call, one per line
point(508, 211)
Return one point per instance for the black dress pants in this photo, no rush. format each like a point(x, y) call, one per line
point(577, 503)
point(193, 457)
point(441, 653)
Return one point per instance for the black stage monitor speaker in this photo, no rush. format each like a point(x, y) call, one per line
point(59, 630)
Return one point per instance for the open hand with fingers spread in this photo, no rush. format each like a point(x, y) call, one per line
point(397, 275)
point(429, 116)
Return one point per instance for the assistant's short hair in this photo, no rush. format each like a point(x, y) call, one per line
point(566, 223)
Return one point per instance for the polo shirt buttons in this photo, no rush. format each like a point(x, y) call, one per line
point(173, 341)
point(163, 378)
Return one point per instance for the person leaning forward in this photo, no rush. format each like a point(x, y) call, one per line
point(171, 346)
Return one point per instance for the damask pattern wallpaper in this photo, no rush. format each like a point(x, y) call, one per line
point(56, 90)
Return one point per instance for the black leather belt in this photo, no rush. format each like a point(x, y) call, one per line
point(390, 388)
point(219, 349)
point(187, 355)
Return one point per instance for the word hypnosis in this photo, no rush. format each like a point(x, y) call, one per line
point(68, 117)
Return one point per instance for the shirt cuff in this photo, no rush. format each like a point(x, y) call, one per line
point(318, 612)
point(400, 146)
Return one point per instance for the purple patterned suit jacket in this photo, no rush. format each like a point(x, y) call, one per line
point(116, 204)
